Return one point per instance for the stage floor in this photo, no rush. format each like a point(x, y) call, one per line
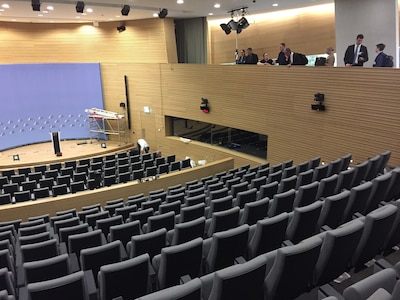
point(43, 153)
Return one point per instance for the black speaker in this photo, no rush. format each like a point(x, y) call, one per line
point(125, 10)
point(80, 6)
point(163, 13)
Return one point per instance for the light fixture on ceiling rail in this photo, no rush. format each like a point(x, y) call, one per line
point(80, 6)
point(238, 21)
point(36, 5)
point(163, 13)
point(125, 10)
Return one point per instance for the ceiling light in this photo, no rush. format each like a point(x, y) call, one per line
point(125, 10)
point(89, 10)
point(80, 6)
point(163, 13)
point(275, 4)
point(40, 15)
point(50, 7)
point(45, 11)
point(155, 15)
point(5, 5)
point(36, 5)
point(226, 28)
point(210, 14)
point(217, 5)
point(180, 1)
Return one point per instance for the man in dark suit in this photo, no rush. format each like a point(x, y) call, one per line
point(380, 59)
point(356, 55)
point(251, 58)
point(281, 60)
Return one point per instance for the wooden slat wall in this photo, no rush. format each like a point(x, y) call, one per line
point(144, 41)
point(309, 31)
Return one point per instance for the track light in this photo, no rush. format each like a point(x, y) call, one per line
point(125, 10)
point(239, 25)
point(233, 25)
point(225, 28)
point(36, 5)
point(163, 13)
point(243, 23)
point(121, 28)
point(80, 6)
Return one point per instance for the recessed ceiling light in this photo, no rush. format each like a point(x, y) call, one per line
point(1, 9)
point(78, 17)
point(210, 14)
point(89, 10)
point(50, 7)
point(14, 20)
point(180, 1)
point(5, 5)
point(45, 11)
point(84, 14)
point(40, 15)
point(155, 15)
point(217, 5)
point(275, 4)
point(118, 16)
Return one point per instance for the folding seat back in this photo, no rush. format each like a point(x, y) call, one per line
point(335, 166)
point(195, 192)
point(95, 257)
point(177, 261)
point(372, 171)
point(327, 186)
point(46, 269)
point(22, 196)
point(289, 172)
point(141, 215)
point(7, 284)
point(115, 280)
point(303, 223)
point(154, 204)
point(77, 242)
point(345, 180)
point(393, 238)
point(306, 194)
point(292, 270)
point(179, 191)
point(175, 197)
point(105, 224)
point(124, 232)
point(162, 195)
point(333, 209)
point(223, 220)
point(274, 176)
point(125, 211)
point(276, 168)
point(150, 243)
point(263, 172)
point(320, 172)
point(314, 162)
point(184, 232)
point(225, 246)
point(230, 182)
point(154, 223)
point(258, 182)
point(219, 193)
point(337, 249)
point(42, 192)
point(346, 161)
point(5, 199)
point(268, 190)
point(287, 184)
point(39, 251)
point(304, 178)
point(249, 177)
point(188, 291)
point(7, 261)
point(91, 219)
point(33, 230)
point(267, 235)
point(377, 226)
point(243, 281)
point(72, 286)
point(357, 200)
point(220, 204)
point(394, 186)
point(77, 187)
point(191, 213)
point(302, 167)
point(189, 201)
point(68, 211)
point(379, 187)
point(254, 211)
point(168, 207)
point(359, 173)
point(226, 177)
point(214, 186)
point(245, 197)
point(67, 231)
point(282, 203)
point(82, 214)
point(65, 223)
point(385, 156)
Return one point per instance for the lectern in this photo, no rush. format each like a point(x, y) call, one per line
point(55, 138)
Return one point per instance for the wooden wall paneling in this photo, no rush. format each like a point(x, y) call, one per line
point(50, 206)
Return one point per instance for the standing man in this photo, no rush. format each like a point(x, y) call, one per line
point(251, 58)
point(281, 60)
point(380, 57)
point(356, 55)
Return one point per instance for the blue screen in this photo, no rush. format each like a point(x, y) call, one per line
point(37, 99)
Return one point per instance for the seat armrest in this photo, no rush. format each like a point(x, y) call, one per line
point(90, 285)
point(328, 290)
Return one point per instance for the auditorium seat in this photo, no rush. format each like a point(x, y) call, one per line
point(306, 194)
point(217, 205)
point(245, 197)
point(334, 167)
point(105, 224)
point(74, 221)
point(17, 178)
point(277, 176)
point(263, 172)
point(46, 183)
point(254, 211)
point(357, 200)
point(150, 243)
point(320, 172)
point(346, 160)
point(40, 193)
point(258, 182)
point(112, 207)
point(292, 270)
point(45, 217)
point(221, 193)
point(241, 281)
point(303, 222)
point(7, 261)
point(327, 186)
point(380, 185)
point(230, 182)
point(177, 261)
point(138, 174)
point(29, 185)
point(268, 190)
point(124, 232)
point(154, 204)
point(337, 249)
point(33, 229)
point(3, 181)
point(141, 215)
point(22, 196)
point(67, 171)
point(281, 203)
point(10, 188)
point(374, 164)
point(7, 284)
point(222, 220)
point(39, 251)
point(287, 184)
point(223, 247)
point(115, 280)
point(176, 197)
point(267, 235)
point(92, 218)
point(32, 223)
point(314, 162)
point(276, 168)
point(67, 231)
point(393, 190)
point(77, 242)
point(289, 172)
point(125, 211)
point(359, 173)
point(344, 180)
point(304, 178)
point(194, 200)
point(385, 156)
point(302, 167)
point(35, 176)
point(333, 210)
point(78, 186)
point(192, 212)
point(82, 214)
point(187, 231)
point(156, 222)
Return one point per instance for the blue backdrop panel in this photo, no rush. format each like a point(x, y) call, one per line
point(37, 99)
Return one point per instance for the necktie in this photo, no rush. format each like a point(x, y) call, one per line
point(356, 55)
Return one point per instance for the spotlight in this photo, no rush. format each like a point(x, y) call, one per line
point(243, 23)
point(36, 5)
point(225, 28)
point(125, 10)
point(80, 6)
point(232, 25)
point(121, 28)
point(15, 157)
point(319, 97)
point(103, 145)
point(163, 13)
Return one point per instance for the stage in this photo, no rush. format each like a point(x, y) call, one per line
point(43, 153)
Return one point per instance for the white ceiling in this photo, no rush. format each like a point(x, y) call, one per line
point(110, 10)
